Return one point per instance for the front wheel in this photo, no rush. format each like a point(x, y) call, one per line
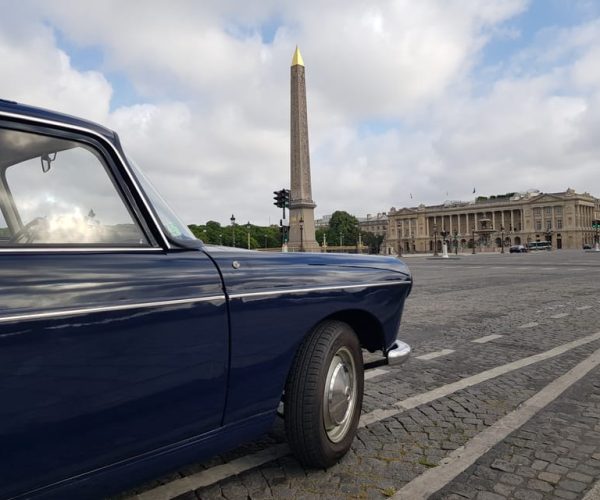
point(323, 395)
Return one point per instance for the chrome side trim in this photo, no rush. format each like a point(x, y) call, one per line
point(124, 307)
point(79, 249)
point(104, 141)
point(317, 289)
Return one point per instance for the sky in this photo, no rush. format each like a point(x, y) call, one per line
point(408, 102)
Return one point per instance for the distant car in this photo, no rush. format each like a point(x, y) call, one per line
point(518, 249)
point(129, 348)
point(539, 245)
point(587, 247)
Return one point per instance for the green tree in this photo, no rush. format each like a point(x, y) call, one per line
point(373, 241)
point(343, 228)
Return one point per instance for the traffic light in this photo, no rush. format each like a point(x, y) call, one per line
point(286, 198)
point(279, 198)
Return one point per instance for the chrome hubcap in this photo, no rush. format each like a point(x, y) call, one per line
point(339, 399)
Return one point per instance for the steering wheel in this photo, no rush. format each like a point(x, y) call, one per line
point(29, 230)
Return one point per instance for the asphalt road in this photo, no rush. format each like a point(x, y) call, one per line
point(500, 399)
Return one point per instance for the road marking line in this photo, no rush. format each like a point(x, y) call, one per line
point(529, 325)
point(459, 460)
point(489, 338)
point(433, 355)
point(594, 493)
point(247, 462)
point(214, 474)
point(446, 390)
point(375, 372)
point(583, 308)
point(559, 315)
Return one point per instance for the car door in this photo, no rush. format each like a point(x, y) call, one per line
point(111, 346)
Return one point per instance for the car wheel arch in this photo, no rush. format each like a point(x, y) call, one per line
point(367, 328)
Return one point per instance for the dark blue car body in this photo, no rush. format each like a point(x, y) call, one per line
point(118, 365)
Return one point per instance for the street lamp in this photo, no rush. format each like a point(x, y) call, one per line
point(233, 228)
point(266, 240)
point(435, 251)
point(473, 233)
point(341, 240)
point(220, 239)
point(248, 229)
point(301, 221)
point(502, 239)
point(455, 242)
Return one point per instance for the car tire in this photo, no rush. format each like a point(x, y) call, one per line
point(323, 395)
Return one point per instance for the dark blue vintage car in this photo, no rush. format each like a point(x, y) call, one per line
point(129, 348)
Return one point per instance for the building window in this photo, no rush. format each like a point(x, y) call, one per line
point(559, 224)
point(537, 212)
point(548, 225)
point(558, 211)
point(538, 225)
point(548, 211)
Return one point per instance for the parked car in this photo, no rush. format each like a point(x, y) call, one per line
point(129, 348)
point(518, 249)
point(587, 246)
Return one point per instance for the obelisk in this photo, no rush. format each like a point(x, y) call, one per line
point(302, 207)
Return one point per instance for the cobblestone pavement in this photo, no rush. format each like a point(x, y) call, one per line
point(465, 316)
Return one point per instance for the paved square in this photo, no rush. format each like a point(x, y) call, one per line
point(489, 332)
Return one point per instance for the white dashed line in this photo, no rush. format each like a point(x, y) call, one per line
point(459, 460)
point(375, 372)
point(559, 315)
point(583, 308)
point(529, 325)
point(489, 338)
point(433, 355)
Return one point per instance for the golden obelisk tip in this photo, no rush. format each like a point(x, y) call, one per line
point(297, 59)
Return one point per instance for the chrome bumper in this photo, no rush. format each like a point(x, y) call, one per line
point(398, 353)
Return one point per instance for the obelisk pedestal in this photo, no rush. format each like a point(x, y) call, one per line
point(302, 207)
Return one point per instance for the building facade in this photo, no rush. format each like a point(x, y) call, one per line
point(375, 224)
point(564, 219)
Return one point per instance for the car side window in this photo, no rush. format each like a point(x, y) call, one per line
point(59, 192)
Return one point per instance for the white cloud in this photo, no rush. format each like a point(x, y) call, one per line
point(211, 127)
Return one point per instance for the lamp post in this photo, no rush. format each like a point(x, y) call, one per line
point(266, 237)
point(502, 239)
point(473, 246)
point(232, 219)
point(341, 240)
point(455, 242)
point(220, 239)
point(248, 229)
point(301, 222)
point(435, 251)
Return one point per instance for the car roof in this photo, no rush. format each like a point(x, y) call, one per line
point(48, 115)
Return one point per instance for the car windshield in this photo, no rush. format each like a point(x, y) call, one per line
point(167, 218)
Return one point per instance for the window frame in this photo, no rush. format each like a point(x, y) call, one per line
point(110, 164)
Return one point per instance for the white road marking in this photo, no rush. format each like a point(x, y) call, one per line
point(459, 460)
point(583, 308)
point(214, 474)
point(247, 462)
point(594, 493)
point(489, 338)
point(375, 372)
point(433, 355)
point(529, 325)
point(559, 315)
point(446, 390)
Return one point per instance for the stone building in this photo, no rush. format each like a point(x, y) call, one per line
point(376, 224)
point(564, 219)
